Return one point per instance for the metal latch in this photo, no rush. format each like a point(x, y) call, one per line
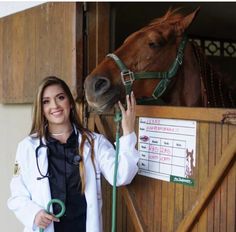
point(229, 117)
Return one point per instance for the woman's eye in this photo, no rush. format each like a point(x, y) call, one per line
point(61, 97)
point(45, 102)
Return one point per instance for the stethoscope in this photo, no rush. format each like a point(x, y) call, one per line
point(76, 160)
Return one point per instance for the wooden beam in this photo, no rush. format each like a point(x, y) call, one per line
point(228, 157)
point(186, 113)
point(134, 211)
point(200, 114)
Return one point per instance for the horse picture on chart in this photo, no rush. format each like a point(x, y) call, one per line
point(190, 163)
point(161, 66)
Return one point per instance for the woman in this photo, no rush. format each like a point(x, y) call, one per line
point(61, 159)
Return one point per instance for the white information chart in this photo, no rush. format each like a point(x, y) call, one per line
point(168, 149)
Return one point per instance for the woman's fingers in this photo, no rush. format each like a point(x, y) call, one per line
point(121, 107)
point(128, 102)
point(133, 101)
point(128, 115)
point(43, 219)
point(51, 217)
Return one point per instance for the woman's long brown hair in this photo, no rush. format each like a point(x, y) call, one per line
point(39, 122)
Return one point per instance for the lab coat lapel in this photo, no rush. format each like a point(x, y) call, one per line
point(44, 187)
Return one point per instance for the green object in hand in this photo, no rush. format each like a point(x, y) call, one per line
point(60, 214)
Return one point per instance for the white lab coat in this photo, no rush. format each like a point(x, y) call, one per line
point(29, 195)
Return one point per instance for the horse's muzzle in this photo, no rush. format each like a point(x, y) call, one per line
point(96, 86)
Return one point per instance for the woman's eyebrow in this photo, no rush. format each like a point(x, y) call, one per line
point(62, 93)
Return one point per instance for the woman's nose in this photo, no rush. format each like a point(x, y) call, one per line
point(54, 103)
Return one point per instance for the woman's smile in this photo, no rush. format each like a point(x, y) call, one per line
point(57, 113)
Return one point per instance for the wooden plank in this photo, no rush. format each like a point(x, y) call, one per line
point(13, 57)
point(134, 210)
point(171, 207)
point(71, 67)
point(56, 56)
point(103, 30)
point(106, 195)
point(98, 32)
point(224, 185)
point(187, 113)
point(80, 62)
point(227, 158)
point(211, 165)
point(130, 227)
point(202, 169)
point(218, 154)
point(231, 200)
point(148, 205)
point(30, 56)
point(231, 194)
point(157, 210)
point(179, 204)
point(202, 223)
point(223, 204)
point(119, 211)
point(124, 215)
point(164, 206)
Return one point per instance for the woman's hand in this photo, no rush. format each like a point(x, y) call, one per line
point(128, 116)
point(43, 219)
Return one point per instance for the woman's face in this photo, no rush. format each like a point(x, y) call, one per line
point(56, 106)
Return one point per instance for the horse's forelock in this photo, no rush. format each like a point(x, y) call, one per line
point(171, 16)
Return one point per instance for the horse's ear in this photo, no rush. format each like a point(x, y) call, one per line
point(183, 24)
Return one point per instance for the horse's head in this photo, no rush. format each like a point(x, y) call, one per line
point(152, 48)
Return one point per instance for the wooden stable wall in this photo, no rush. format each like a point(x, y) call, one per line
point(157, 206)
point(38, 42)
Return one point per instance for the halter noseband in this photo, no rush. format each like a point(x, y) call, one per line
point(128, 77)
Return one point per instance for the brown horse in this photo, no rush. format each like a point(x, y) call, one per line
point(161, 66)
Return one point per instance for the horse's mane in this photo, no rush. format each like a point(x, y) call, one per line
point(220, 89)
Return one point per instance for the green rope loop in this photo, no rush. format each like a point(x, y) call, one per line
point(60, 214)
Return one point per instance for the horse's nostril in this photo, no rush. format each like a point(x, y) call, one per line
point(101, 85)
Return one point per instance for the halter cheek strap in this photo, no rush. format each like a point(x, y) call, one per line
point(128, 77)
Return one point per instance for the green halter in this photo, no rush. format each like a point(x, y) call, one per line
point(128, 77)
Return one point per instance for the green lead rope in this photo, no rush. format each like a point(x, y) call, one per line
point(60, 214)
point(117, 119)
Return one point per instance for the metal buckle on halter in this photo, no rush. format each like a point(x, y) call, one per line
point(127, 77)
point(179, 57)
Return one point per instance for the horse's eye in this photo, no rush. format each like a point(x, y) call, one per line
point(153, 45)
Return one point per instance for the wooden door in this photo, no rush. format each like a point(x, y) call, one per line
point(153, 205)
